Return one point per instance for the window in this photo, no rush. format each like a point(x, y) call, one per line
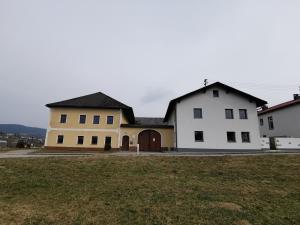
point(80, 140)
point(243, 114)
point(216, 93)
point(199, 136)
point(261, 121)
point(231, 137)
point(82, 119)
point(110, 120)
point(245, 137)
point(63, 118)
point(94, 140)
point(197, 113)
point(60, 139)
point(271, 123)
point(229, 113)
point(96, 120)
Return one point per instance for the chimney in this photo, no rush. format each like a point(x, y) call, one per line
point(296, 96)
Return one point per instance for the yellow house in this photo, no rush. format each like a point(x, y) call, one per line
point(99, 122)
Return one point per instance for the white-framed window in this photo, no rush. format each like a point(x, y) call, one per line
point(216, 93)
point(82, 119)
point(110, 120)
point(243, 114)
point(63, 118)
point(80, 140)
point(96, 119)
point(199, 137)
point(245, 137)
point(229, 114)
point(261, 121)
point(60, 139)
point(271, 123)
point(198, 113)
point(231, 137)
point(94, 140)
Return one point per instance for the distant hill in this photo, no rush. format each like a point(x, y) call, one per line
point(20, 129)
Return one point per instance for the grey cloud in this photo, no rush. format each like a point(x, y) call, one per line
point(156, 95)
point(160, 49)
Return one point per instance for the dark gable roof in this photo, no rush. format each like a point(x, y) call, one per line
point(280, 106)
point(148, 122)
point(259, 102)
point(95, 101)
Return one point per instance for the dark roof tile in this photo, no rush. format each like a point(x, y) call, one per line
point(148, 122)
point(95, 101)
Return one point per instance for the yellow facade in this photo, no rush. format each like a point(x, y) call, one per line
point(166, 134)
point(73, 116)
point(72, 129)
point(70, 139)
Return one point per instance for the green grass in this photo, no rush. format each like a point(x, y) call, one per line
point(151, 190)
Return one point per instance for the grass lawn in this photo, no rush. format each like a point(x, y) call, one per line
point(151, 190)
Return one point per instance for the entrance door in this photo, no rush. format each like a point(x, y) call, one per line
point(107, 145)
point(125, 143)
point(272, 143)
point(149, 140)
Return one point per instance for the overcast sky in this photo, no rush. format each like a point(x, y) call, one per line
point(143, 53)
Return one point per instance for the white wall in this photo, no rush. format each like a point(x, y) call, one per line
point(214, 125)
point(287, 143)
point(172, 121)
point(265, 143)
point(286, 123)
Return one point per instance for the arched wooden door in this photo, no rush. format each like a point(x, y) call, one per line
point(125, 143)
point(149, 140)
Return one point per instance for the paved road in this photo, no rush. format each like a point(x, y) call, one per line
point(36, 154)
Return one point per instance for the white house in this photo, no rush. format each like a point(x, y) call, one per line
point(281, 120)
point(215, 117)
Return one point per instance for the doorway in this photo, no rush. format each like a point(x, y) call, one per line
point(149, 140)
point(125, 143)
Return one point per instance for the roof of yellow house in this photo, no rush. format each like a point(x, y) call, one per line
point(95, 101)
